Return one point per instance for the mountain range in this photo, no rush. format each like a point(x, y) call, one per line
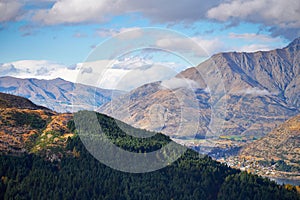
point(229, 94)
point(57, 94)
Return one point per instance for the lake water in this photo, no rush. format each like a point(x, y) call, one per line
point(281, 181)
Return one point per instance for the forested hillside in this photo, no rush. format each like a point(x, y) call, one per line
point(83, 177)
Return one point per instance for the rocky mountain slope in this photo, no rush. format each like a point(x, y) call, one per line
point(57, 94)
point(282, 144)
point(229, 94)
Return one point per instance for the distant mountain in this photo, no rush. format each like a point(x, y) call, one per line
point(57, 94)
point(260, 90)
point(281, 146)
point(42, 157)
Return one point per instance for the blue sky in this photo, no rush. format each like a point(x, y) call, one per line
point(57, 36)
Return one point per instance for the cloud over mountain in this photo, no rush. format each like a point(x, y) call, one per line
point(42, 69)
point(124, 74)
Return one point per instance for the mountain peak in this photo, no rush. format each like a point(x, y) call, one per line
point(58, 79)
point(295, 42)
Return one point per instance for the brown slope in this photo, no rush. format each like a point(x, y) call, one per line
point(26, 127)
point(168, 111)
point(283, 143)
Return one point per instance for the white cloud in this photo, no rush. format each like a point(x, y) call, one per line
point(253, 42)
point(7, 69)
point(253, 91)
point(79, 35)
point(134, 71)
point(130, 33)
point(87, 70)
point(127, 73)
point(90, 73)
point(74, 11)
point(9, 10)
point(127, 33)
point(282, 13)
point(254, 48)
point(253, 37)
point(175, 83)
point(257, 91)
point(130, 79)
point(107, 32)
point(133, 62)
point(207, 90)
point(198, 46)
point(78, 11)
point(211, 46)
